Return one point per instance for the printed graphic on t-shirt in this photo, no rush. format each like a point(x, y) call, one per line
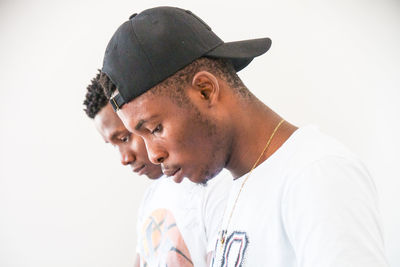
point(162, 243)
point(234, 250)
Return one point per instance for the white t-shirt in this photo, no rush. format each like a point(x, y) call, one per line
point(311, 204)
point(178, 223)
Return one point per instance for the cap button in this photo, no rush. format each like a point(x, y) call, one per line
point(133, 15)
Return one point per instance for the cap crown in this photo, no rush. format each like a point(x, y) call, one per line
point(152, 46)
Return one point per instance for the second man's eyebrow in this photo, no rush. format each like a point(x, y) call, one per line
point(117, 133)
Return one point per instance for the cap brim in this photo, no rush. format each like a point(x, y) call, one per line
point(241, 53)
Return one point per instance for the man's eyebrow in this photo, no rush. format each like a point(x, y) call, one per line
point(115, 134)
point(139, 124)
point(142, 121)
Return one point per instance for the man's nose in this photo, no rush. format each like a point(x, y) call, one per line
point(157, 155)
point(127, 158)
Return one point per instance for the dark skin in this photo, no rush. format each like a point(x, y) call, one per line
point(131, 147)
point(220, 129)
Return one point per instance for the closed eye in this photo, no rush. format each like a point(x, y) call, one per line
point(125, 139)
point(157, 129)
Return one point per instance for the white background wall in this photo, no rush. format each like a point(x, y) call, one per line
point(64, 198)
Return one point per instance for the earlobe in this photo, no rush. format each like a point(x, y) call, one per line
point(207, 85)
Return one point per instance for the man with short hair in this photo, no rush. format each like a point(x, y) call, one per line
point(177, 223)
point(299, 198)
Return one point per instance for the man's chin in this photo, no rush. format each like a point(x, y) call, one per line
point(204, 182)
point(155, 175)
point(203, 179)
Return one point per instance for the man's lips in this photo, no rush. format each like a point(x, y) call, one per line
point(170, 172)
point(140, 169)
point(175, 172)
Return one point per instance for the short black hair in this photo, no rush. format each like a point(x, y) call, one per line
point(95, 98)
point(220, 67)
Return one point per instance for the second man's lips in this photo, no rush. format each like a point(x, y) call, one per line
point(138, 168)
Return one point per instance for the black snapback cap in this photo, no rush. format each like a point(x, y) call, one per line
point(155, 44)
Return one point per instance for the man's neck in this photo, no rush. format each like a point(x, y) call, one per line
point(253, 127)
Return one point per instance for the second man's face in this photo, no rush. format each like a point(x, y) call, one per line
point(131, 147)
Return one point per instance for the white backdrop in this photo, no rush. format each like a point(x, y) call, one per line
point(64, 198)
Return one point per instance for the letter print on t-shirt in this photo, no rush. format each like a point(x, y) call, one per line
point(162, 242)
point(234, 250)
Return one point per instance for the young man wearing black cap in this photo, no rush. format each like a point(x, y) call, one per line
point(299, 198)
point(177, 223)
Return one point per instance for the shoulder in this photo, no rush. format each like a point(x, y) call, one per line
point(308, 147)
point(319, 166)
point(331, 202)
point(329, 174)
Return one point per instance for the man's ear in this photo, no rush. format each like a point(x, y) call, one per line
point(207, 86)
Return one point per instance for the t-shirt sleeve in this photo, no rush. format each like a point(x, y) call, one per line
point(214, 204)
point(330, 214)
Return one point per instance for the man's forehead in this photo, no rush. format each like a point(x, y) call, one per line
point(140, 110)
point(130, 113)
point(108, 123)
point(107, 115)
point(141, 105)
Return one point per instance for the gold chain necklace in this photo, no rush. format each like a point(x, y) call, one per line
point(224, 232)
